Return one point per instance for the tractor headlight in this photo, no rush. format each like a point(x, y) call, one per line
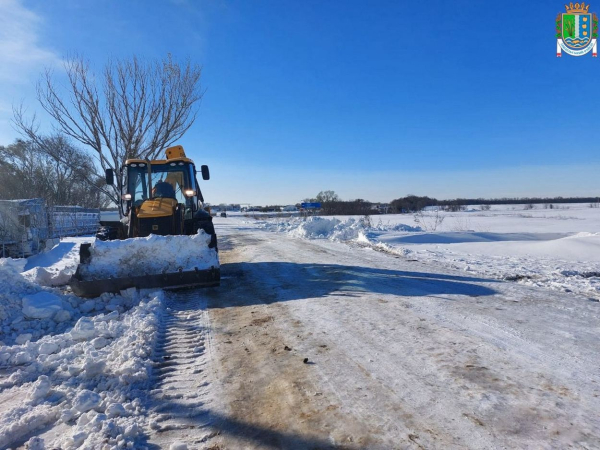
point(189, 192)
point(126, 197)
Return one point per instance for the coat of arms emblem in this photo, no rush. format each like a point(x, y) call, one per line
point(576, 31)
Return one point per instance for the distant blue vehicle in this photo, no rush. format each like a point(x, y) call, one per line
point(311, 205)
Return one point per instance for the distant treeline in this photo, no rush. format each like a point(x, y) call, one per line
point(518, 201)
point(352, 207)
point(413, 203)
point(332, 205)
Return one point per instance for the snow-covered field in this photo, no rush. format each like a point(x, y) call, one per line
point(556, 248)
point(343, 332)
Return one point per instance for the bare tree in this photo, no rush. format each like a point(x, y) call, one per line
point(30, 170)
point(134, 109)
point(327, 196)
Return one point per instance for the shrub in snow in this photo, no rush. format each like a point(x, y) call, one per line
point(429, 222)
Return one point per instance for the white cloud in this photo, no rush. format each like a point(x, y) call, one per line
point(23, 57)
point(21, 53)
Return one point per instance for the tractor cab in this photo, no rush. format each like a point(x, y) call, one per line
point(173, 178)
point(161, 196)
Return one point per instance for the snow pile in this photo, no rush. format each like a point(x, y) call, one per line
point(312, 227)
point(23, 303)
point(11, 281)
point(55, 266)
point(150, 255)
point(334, 229)
point(539, 249)
point(568, 264)
point(14, 265)
point(49, 277)
point(69, 361)
point(88, 378)
point(42, 305)
point(398, 227)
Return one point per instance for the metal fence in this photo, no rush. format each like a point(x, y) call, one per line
point(73, 221)
point(27, 225)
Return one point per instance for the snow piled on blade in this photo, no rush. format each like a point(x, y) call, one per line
point(149, 255)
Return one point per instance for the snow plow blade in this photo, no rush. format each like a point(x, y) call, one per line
point(165, 262)
point(192, 278)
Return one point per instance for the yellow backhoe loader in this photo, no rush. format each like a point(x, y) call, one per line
point(160, 197)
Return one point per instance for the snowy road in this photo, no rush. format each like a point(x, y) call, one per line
point(400, 354)
point(307, 344)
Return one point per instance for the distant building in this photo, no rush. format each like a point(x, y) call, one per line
point(383, 208)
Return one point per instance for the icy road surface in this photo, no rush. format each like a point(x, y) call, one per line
point(399, 354)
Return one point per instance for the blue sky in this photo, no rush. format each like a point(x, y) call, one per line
point(374, 100)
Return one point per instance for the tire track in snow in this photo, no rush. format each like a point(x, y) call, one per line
point(180, 398)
